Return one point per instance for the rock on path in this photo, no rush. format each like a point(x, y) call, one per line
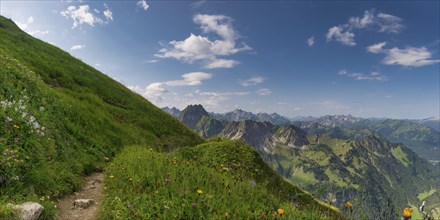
point(83, 205)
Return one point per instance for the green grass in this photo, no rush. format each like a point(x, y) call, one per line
point(302, 178)
point(424, 195)
point(236, 184)
point(400, 155)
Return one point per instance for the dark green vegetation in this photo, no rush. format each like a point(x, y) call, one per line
point(379, 177)
point(61, 119)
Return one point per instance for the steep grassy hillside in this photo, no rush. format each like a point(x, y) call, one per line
point(60, 118)
point(215, 180)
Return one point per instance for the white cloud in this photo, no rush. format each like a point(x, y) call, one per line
point(345, 37)
point(264, 92)
point(25, 27)
point(96, 10)
point(213, 99)
point(198, 4)
point(408, 57)
point(190, 79)
point(152, 61)
point(389, 23)
point(143, 4)
point(311, 41)
point(155, 91)
point(370, 21)
point(108, 13)
point(197, 47)
point(82, 15)
point(376, 48)
point(252, 81)
point(363, 22)
point(221, 63)
point(373, 76)
point(78, 47)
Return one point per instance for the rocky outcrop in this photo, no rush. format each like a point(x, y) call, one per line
point(83, 203)
point(28, 210)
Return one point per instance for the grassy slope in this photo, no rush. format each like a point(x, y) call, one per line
point(60, 117)
point(235, 181)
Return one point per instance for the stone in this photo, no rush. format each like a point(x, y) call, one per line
point(83, 203)
point(28, 210)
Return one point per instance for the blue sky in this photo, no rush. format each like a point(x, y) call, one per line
point(368, 59)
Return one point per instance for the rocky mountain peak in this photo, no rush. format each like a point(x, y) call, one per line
point(192, 114)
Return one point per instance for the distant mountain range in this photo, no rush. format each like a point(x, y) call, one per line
point(420, 136)
point(348, 156)
point(239, 115)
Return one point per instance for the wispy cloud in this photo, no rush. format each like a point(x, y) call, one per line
point(221, 63)
point(252, 81)
point(408, 57)
point(190, 79)
point(376, 48)
point(143, 4)
point(311, 41)
point(213, 99)
point(152, 61)
point(380, 22)
point(373, 76)
point(198, 4)
point(341, 35)
point(108, 13)
point(264, 92)
point(78, 47)
point(200, 48)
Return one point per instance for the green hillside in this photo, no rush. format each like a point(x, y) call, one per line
point(62, 119)
point(220, 179)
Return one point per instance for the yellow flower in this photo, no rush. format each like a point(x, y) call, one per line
point(280, 211)
point(111, 177)
point(199, 191)
point(407, 212)
point(348, 204)
point(16, 126)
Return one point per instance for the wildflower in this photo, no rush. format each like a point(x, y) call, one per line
point(16, 126)
point(407, 213)
point(348, 204)
point(199, 191)
point(280, 211)
point(194, 205)
point(111, 177)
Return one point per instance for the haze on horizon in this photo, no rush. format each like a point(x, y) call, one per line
point(367, 59)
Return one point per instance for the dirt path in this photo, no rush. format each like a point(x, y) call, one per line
point(92, 189)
